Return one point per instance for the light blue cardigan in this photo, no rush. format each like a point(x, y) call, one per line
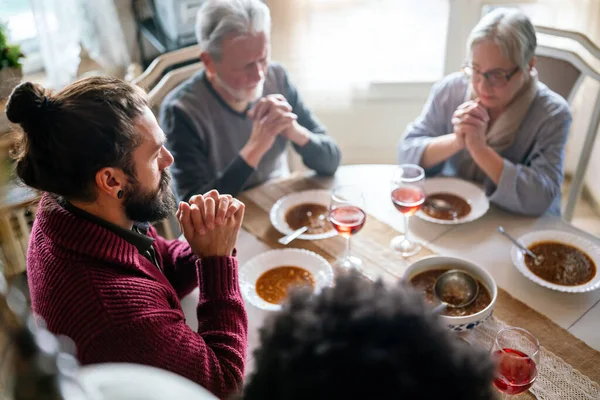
point(533, 166)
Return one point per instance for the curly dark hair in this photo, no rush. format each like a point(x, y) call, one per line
point(364, 340)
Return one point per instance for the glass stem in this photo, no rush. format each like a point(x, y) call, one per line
point(406, 228)
point(347, 255)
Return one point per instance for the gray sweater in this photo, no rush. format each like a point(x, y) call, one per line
point(533, 165)
point(205, 136)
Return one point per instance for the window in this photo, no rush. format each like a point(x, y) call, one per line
point(338, 45)
point(18, 17)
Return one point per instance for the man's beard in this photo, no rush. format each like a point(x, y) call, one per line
point(240, 94)
point(144, 205)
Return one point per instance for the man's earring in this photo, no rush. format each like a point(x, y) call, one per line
point(120, 194)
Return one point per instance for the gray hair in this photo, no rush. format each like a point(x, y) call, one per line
point(511, 30)
point(219, 18)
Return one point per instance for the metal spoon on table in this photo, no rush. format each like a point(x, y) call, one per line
point(294, 235)
point(461, 285)
point(537, 259)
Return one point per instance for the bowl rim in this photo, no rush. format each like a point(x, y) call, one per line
point(284, 228)
point(582, 243)
point(472, 216)
point(480, 271)
point(246, 284)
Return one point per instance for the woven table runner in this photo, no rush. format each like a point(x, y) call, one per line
point(569, 368)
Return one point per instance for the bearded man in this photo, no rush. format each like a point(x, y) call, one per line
point(97, 270)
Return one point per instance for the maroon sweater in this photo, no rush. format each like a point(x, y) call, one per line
point(88, 283)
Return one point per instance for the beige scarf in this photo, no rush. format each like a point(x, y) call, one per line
point(501, 135)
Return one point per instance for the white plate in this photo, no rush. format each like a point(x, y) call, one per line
point(250, 272)
point(122, 381)
point(472, 193)
point(592, 250)
point(284, 204)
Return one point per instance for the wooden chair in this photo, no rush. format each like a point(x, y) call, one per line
point(165, 63)
point(16, 217)
point(563, 69)
point(169, 82)
point(167, 71)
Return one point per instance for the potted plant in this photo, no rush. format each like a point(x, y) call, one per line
point(10, 65)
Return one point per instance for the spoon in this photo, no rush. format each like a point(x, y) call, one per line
point(288, 238)
point(524, 250)
point(439, 204)
point(460, 286)
point(294, 235)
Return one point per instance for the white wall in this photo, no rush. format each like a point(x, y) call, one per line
point(369, 125)
point(582, 109)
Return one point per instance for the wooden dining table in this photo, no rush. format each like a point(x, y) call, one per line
point(559, 317)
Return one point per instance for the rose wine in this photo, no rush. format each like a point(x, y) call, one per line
point(347, 220)
point(408, 199)
point(516, 371)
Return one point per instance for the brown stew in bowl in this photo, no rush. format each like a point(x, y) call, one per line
point(308, 214)
point(561, 264)
point(273, 285)
point(459, 207)
point(425, 281)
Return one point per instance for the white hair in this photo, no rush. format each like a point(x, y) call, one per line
point(219, 18)
point(511, 30)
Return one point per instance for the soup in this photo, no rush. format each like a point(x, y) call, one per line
point(425, 281)
point(459, 207)
point(273, 285)
point(561, 264)
point(314, 216)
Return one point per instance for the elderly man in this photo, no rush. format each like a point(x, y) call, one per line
point(228, 126)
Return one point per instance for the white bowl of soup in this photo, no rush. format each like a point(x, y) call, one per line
point(568, 262)
point(308, 208)
point(266, 279)
point(422, 276)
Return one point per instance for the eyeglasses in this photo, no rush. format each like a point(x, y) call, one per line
point(495, 77)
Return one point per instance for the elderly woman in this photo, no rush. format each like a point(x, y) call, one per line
point(496, 125)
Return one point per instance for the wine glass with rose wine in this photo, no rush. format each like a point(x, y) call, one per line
point(347, 215)
point(517, 355)
point(408, 196)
